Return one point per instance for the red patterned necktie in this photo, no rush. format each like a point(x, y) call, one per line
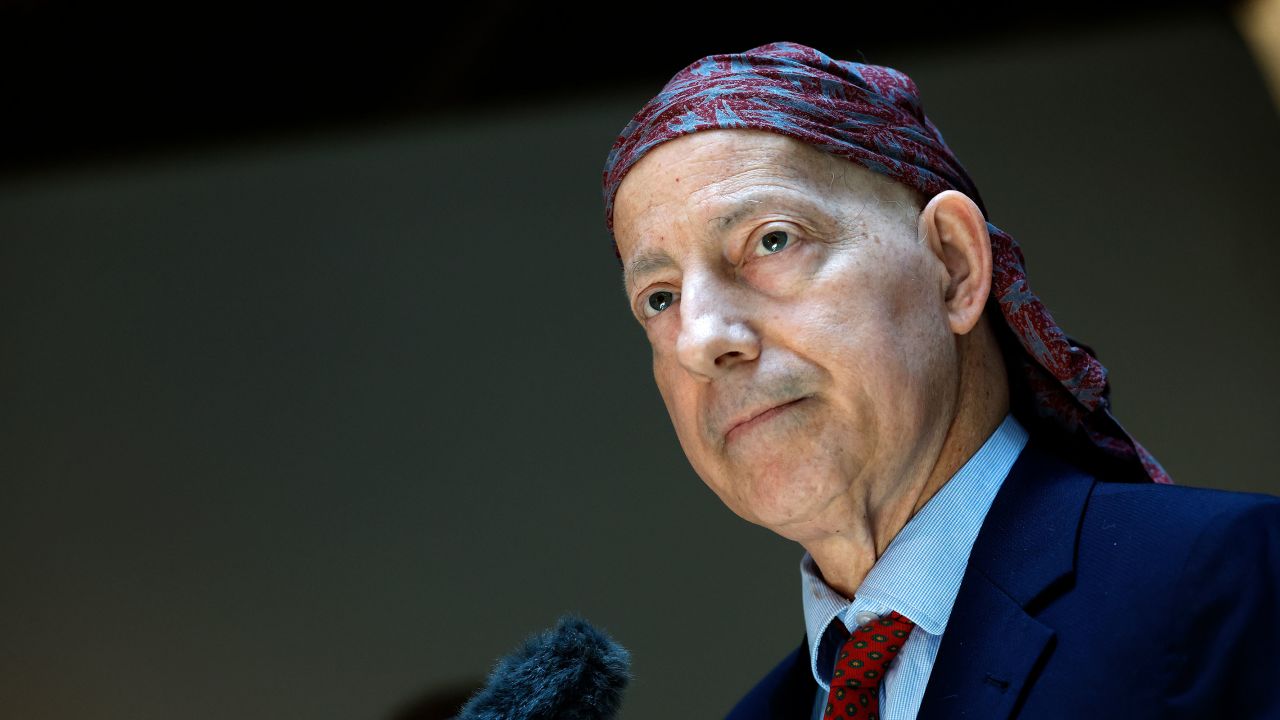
point(863, 660)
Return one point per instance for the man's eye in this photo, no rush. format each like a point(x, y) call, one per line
point(658, 301)
point(773, 242)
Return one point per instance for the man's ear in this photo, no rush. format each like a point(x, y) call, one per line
point(953, 228)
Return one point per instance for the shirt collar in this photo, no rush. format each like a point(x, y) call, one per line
point(919, 573)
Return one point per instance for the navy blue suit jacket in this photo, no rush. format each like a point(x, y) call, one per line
point(1092, 599)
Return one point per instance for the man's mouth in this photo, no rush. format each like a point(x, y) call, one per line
point(760, 419)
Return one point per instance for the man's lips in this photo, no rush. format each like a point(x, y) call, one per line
point(758, 418)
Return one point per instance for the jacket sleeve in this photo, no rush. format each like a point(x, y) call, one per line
point(1226, 642)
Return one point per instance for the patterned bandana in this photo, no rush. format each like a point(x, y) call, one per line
point(873, 116)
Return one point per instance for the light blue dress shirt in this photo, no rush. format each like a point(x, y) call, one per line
point(918, 575)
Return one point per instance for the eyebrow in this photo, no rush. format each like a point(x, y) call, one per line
point(650, 262)
point(646, 263)
point(739, 212)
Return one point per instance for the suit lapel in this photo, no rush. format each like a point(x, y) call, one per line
point(1023, 555)
point(787, 691)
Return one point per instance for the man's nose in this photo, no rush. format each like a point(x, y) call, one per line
point(715, 329)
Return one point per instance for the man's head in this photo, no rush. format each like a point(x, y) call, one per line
point(770, 276)
point(858, 288)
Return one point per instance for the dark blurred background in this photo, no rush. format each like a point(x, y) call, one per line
point(318, 388)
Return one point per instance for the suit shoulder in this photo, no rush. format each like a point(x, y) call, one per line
point(1154, 540)
point(1178, 510)
point(1203, 565)
point(1225, 640)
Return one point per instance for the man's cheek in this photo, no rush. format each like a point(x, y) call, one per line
point(679, 406)
point(663, 376)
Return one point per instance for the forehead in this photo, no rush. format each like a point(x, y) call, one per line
point(718, 161)
point(704, 181)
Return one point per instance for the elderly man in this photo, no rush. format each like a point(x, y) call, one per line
point(852, 357)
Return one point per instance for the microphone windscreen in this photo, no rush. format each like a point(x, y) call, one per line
point(570, 672)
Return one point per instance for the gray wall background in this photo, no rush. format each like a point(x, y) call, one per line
point(309, 428)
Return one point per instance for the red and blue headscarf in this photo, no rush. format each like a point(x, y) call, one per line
point(872, 115)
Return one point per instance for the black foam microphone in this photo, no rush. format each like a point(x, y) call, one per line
point(571, 672)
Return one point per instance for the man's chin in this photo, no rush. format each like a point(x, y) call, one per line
point(784, 502)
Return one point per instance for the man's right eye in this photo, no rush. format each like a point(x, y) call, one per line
point(658, 301)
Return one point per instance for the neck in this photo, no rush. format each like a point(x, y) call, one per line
point(846, 557)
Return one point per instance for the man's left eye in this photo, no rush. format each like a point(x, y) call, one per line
point(772, 242)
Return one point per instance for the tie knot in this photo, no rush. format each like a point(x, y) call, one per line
point(869, 651)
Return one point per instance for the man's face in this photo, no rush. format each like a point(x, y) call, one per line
point(798, 326)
